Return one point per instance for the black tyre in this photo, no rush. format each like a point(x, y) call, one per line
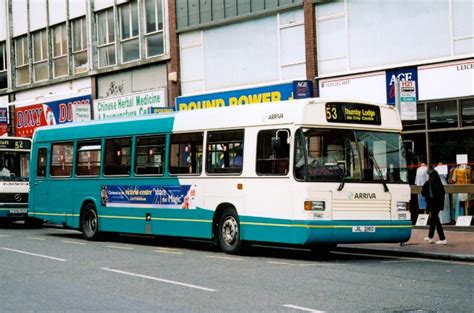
point(229, 232)
point(90, 222)
point(31, 222)
point(323, 249)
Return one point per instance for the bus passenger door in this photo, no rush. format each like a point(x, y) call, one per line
point(39, 188)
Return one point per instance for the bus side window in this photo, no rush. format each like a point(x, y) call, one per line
point(41, 166)
point(117, 156)
point(273, 152)
point(225, 151)
point(185, 154)
point(150, 155)
point(88, 158)
point(61, 159)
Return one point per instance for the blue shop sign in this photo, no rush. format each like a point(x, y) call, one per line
point(403, 74)
point(274, 93)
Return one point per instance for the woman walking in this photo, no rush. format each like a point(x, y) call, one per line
point(433, 191)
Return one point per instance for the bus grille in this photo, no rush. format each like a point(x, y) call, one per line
point(370, 205)
point(13, 197)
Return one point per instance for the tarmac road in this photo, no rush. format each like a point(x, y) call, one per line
point(52, 269)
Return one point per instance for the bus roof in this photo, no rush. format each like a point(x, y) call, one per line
point(302, 112)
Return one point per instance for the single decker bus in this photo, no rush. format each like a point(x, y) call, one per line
point(14, 176)
point(311, 173)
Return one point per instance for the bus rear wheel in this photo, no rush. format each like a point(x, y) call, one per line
point(90, 222)
point(229, 232)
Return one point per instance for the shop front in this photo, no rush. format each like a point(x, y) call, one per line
point(31, 114)
point(438, 130)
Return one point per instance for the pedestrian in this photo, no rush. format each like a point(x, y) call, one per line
point(433, 192)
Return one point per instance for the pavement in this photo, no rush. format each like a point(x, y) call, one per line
point(460, 245)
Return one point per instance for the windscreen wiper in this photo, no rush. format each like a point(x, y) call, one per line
point(379, 172)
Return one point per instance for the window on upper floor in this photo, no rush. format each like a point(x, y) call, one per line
point(79, 45)
point(3, 65)
point(106, 38)
point(129, 34)
point(40, 56)
point(154, 27)
point(22, 61)
point(60, 60)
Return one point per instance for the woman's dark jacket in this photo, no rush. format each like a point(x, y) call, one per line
point(437, 190)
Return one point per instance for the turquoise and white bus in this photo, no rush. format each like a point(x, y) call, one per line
point(14, 175)
point(303, 172)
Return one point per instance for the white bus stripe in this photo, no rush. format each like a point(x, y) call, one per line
point(5, 236)
point(159, 279)
point(291, 306)
point(34, 254)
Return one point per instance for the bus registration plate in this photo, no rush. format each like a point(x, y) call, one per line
point(18, 210)
point(363, 229)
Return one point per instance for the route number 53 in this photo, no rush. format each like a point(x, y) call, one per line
point(331, 113)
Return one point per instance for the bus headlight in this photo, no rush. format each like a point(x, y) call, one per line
point(402, 206)
point(314, 205)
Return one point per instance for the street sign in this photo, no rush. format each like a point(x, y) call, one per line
point(408, 100)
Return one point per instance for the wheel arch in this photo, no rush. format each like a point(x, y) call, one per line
point(217, 216)
point(85, 202)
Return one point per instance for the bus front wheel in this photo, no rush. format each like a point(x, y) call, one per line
point(90, 222)
point(229, 232)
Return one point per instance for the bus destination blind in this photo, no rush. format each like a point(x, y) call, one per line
point(16, 144)
point(353, 113)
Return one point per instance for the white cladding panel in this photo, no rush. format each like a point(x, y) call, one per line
point(53, 92)
point(57, 11)
point(439, 81)
point(19, 17)
point(3, 20)
point(102, 4)
point(253, 63)
point(77, 8)
point(365, 87)
point(38, 17)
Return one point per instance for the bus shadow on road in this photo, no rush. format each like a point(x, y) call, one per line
point(251, 250)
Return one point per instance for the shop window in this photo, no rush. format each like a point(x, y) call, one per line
point(3, 66)
point(79, 45)
point(129, 32)
point(106, 38)
point(273, 152)
point(154, 27)
point(22, 61)
point(186, 153)
point(61, 159)
point(40, 56)
point(41, 166)
point(445, 146)
point(419, 123)
point(443, 114)
point(225, 152)
point(117, 156)
point(88, 158)
point(467, 112)
point(415, 147)
point(60, 63)
point(150, 155)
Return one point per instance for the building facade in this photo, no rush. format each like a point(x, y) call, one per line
point(67, 53)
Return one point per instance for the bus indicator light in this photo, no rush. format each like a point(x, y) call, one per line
point(240, 186)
